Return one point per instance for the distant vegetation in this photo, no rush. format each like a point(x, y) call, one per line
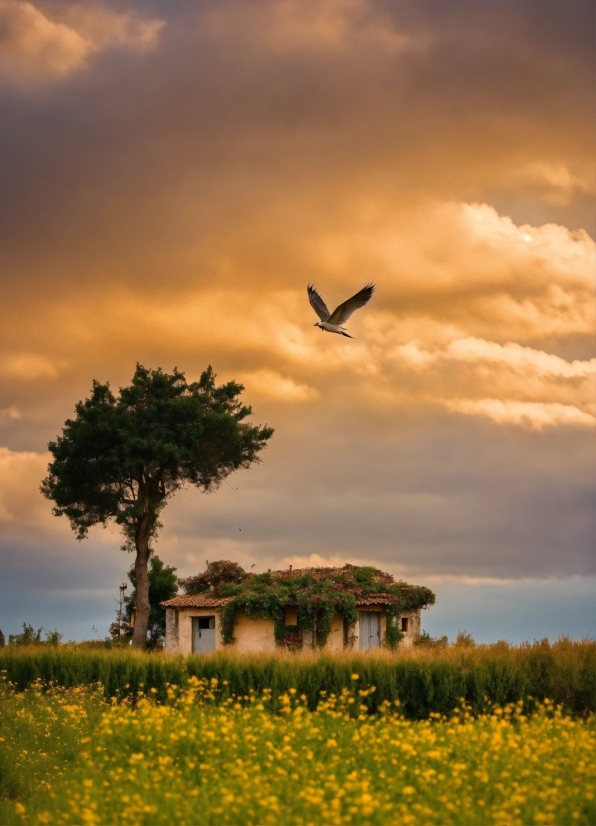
point(30, 636)
point(426, 680)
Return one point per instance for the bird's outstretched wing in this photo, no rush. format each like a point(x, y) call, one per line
point(342, 313)
point(317, 303)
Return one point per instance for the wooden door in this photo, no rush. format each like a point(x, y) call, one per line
point(203, 635)
point(370, 630)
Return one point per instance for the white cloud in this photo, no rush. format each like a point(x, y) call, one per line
point(34, 46)
point(315, 561)
point(535, 415)
point(510, 355)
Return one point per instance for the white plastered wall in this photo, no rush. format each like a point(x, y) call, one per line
point(335, 640)
point(254, 634)
point(413, 627)
point(258, 635)
point(250, 634)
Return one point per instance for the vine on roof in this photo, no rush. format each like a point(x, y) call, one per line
point(318, 594)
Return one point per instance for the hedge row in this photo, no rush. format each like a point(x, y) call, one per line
point(424, 681)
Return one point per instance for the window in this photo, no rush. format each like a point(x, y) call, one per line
point(404, 624)
point(206, 622)
point(291, 615)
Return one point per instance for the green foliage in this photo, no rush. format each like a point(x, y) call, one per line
point(393, 633)
point(426, 681)
point(464, 640)
point(220, 572)
point(318, 593)
point(163, 585)
point(426, 641)
point(29, 636)
point(123, 457)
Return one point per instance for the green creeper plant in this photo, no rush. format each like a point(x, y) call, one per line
point(123, 456)
point(318, 594)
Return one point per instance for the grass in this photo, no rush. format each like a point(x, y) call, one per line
point(426, 681)
point(204, 757)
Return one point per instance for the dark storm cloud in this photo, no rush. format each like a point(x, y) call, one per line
point(431, 497)
point(139, 156)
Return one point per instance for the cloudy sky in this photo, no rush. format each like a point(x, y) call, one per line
point(175, 173)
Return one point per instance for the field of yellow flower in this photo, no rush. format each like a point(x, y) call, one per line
point(68, 757)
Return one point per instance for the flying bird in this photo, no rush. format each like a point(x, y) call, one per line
point(333, 322)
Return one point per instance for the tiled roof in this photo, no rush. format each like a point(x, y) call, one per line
point(205, 601)
point(374, 599)
point(195, 601)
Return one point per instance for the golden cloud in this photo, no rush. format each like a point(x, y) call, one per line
point(557, 179)
point(30, 367)
point(270, 385)
point(35, 46)
point(450, 321)
point(20, 500)
point(287, 26)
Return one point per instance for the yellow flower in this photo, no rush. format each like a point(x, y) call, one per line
point(355, 676)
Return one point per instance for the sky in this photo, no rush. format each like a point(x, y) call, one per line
point(175, 173)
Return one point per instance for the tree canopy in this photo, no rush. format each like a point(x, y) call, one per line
point(123, 456)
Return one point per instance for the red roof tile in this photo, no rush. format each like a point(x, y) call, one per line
point(375, 599)
point(205, 601)
point(195, 601)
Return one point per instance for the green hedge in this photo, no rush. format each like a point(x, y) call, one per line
point(424, 681)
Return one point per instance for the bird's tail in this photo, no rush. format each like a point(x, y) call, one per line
point(346, 335)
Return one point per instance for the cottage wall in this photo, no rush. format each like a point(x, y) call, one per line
point(258, 634)
point(413, 628)
point(171, 643)
point(179, 634)
point(254, 634)
point(335, 640)
point(251, 634)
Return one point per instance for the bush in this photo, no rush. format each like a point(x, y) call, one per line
point(426, 641)
point(29, 636)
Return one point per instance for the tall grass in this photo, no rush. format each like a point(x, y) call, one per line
point(425, 681)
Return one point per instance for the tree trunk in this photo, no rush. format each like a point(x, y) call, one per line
point(142, 535)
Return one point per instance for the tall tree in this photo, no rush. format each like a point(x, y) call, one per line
point(122, 457)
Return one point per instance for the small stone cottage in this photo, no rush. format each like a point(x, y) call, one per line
point(355, 607)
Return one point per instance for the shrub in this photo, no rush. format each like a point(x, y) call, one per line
point(29, 636)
